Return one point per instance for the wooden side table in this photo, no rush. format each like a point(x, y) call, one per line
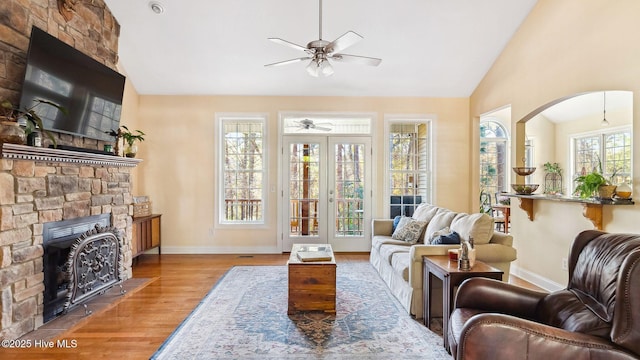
point(447, 271)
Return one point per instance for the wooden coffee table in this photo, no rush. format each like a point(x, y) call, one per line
point(447, 271)
point(312, 284)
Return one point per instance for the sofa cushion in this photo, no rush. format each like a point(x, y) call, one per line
point(442, 220)
point(400, 263)
point(563, 309)
point(380, 240)
point(425, 212)
point(388, 250)
point(478, 226)
point(409, 230)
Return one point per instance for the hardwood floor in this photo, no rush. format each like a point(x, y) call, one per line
point(136, 325)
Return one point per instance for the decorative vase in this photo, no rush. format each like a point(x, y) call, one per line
point(11, 132)
point(606, 191)
point(623, 191)
point(131, 151)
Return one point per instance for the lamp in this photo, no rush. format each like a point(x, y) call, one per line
point(604, 121)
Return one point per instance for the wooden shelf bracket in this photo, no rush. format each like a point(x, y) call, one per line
point(593, 212)
point(527, 206)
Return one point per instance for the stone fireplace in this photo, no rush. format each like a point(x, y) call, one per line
point(75, 269)
point(40, 186)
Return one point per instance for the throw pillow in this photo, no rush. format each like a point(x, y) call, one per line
point(447, 239)
point(396, 221)
point(435, 235)
point(442, 219)
point(409, 230)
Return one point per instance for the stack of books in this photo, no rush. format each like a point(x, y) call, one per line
point(314, 253)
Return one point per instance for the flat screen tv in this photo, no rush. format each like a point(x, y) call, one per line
point(90, 91)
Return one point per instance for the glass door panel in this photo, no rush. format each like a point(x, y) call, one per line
point(304, 172)
point(349, 193)
point(326, 195)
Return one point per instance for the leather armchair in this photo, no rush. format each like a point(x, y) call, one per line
point(596, 317)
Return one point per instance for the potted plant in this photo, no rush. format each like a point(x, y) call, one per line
point(595, 185)
point(32, 123)
point(588, 185)
point(130, 138)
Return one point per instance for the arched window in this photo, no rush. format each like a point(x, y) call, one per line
point(493, 157)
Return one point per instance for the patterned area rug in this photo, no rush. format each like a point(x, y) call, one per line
point(245, 317)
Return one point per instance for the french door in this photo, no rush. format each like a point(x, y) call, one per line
point(327, 191)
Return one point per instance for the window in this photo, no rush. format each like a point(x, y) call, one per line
point(493, 157)
point(609, 153)
point(409, 165)
point(242, 156)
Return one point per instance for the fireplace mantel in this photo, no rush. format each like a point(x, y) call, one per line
point(23, 152)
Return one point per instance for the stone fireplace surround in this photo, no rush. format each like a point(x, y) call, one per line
point(40, 185)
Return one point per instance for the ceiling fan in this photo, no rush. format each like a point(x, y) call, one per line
point(308, 124)
point(319, 52)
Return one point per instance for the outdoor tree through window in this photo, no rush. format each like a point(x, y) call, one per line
point(493, 157)
point(243, 175)
point(409, 166)
point(608, 153)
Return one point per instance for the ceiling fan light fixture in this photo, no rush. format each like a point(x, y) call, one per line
point(321, 52)
point(313, 68)
point(325, 68)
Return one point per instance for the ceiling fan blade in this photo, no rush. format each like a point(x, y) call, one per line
point(347, 39)
point(289, 44)
point(322, 128)
point(356, 59)
point(286, 62)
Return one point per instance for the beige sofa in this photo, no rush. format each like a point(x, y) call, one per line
point(400, 263)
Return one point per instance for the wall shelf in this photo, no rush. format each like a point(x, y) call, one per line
point(591, 208)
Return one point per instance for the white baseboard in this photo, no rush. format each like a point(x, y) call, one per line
point(194, 250)
point(536, 279)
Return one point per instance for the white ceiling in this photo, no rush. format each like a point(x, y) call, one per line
point(429, 48)
point(582, 106)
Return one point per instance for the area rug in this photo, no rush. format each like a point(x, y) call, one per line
point(245, 317)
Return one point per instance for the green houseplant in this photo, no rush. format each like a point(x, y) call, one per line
point(594, 184)
point(33, 121)
point(588, 185)
point(130, 138)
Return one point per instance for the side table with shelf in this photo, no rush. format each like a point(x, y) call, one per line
point(447, 271)
point(145, 234)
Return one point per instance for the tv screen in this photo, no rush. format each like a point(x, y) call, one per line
point(90, 91)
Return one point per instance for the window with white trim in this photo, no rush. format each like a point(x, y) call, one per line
point(409, 165)
point(605, 152)
point(242, 176)
point(493, 157)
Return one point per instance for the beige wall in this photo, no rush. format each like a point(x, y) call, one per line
point(179, 171)
point(542, 134)
point(129, 118)
point(564, 47)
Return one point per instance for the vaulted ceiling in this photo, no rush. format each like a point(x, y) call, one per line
point(429, 48)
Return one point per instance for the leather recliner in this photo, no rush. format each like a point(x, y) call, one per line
point(596, 317)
